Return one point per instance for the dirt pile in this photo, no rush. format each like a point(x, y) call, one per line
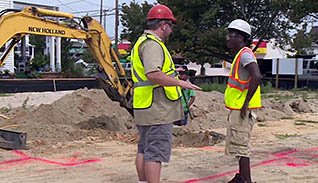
point(209, 110)
point(285, 104)
point(72, 117)
point(90, 113)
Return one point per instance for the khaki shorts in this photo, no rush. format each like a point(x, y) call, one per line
point(238, 134)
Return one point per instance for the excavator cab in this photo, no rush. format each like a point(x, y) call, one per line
point(15, 24)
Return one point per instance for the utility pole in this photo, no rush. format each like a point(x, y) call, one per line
point(116, 26)
point(101, 12)
point(105, 14)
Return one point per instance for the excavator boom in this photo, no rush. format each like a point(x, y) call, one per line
point(15, 24)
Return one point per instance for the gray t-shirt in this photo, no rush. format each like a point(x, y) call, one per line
point(246, 58)
point(162, 110)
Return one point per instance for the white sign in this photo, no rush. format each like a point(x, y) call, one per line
point(287, 66)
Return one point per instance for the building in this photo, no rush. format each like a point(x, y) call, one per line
point(9, 62)
point(124, 47)
point(24, 49)
point(268, 50)
point(53, 44)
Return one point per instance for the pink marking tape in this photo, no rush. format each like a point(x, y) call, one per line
point(279, 156)
point(27, 158)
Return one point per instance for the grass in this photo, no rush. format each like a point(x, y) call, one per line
point(25, 103)
point(279, 97)
point(213, 87)
point(5, 109)
point(267, 91)
point(285, 136)
point(307, 121)
point(261, 124)
point(286, 117)
point(304, 93)
point(5, 95)
point(266, 88)
point(299, 123)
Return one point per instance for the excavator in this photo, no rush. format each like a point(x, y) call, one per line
point(15, 24)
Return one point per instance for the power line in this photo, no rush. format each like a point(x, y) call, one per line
point(97, 15)
point(101, 11)
point(91, 11)
point(66, 5)
point(69, 3)
point(88, 11)
point(74, 11)
point(94, 4)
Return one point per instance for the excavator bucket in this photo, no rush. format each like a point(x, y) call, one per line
point(12, 140)
point(113, 94)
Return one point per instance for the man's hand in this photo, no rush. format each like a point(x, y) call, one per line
point(160, 78)
point(187, 85)
point(243, 111)
point(180, 69)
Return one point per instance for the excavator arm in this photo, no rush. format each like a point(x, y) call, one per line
point(15, 24)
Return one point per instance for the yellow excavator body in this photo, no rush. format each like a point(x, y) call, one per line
point(15, 24)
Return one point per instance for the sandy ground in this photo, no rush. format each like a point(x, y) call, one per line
point(82, 136)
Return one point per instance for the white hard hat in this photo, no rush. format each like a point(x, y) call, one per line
point(240, 25)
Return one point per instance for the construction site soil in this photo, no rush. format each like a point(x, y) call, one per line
point(86, 124)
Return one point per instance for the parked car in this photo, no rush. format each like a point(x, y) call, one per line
point(127, 68)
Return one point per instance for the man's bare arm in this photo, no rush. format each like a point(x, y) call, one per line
point(160, 78)
point(255, 75)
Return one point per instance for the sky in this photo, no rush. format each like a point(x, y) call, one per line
point(91, 7)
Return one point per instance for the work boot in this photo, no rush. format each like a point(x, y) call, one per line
point(237, 179)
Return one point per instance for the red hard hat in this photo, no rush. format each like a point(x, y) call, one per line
point(161, 12)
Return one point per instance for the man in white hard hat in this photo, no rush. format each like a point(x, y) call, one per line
point(242, 96)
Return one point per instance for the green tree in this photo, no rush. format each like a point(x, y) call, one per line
point(88, 56)
point(302, 42)
point(199, 35)
point(304, 10)
point(68, 60)
point(304, 13)
point(134, 20)
point(39, 42)
point(201, 28)
point(39, 59)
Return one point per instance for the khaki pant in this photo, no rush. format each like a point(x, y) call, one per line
point(238, 134)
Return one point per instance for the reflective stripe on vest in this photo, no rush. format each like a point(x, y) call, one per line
point(237, 89)
point(148, 83)
point(143, 88)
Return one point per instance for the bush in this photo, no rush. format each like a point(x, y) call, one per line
point(77, 72)
point(266, 88)
point(213, 87)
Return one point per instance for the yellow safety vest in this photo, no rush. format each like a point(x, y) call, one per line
point(236, 90)
point(143, 88)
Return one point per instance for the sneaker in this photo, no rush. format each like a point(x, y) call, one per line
point(237, 179)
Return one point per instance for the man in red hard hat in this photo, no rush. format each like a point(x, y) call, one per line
point(161, 12)
point(157, 94)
